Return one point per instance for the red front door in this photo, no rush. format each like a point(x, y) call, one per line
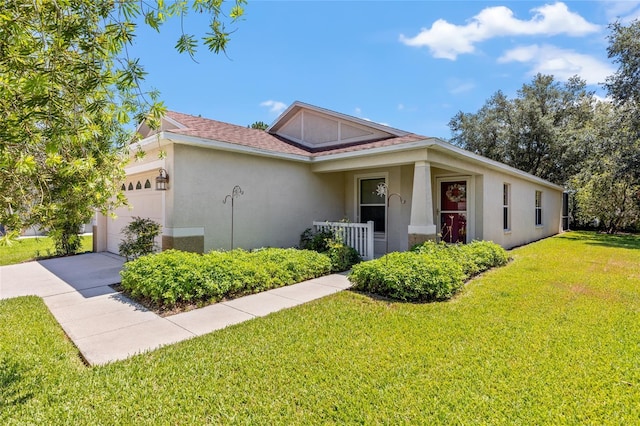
point(453, 211)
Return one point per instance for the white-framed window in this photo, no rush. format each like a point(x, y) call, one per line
point(372, 206)
point(506, 206)
point(538, 208)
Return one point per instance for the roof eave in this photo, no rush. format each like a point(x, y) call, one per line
point(230, 147)
point(492, 164)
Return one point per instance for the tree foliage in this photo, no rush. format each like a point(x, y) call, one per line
point(539, 132)
point(260, 125)
point(68, 93)
point(624, 88)
point(606, 193)
point(608, 186)
point(561, 133)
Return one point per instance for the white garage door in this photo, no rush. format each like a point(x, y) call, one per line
point(143, 202)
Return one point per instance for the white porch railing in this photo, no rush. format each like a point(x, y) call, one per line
point(356, 235)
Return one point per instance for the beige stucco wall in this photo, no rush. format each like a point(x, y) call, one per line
point(523, 227)
point(281, 198)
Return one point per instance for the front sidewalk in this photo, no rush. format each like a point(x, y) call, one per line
point(107, 326)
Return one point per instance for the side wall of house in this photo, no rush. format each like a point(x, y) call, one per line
point(280, 200)
point(521, 210)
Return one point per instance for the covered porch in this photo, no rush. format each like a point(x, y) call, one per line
point(409, 199)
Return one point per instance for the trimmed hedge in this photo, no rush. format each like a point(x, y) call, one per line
point(429, 271)
point(173, 277)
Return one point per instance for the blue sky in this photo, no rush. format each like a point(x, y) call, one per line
point(408, 64)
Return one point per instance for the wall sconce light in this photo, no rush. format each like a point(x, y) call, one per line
point(162, 180)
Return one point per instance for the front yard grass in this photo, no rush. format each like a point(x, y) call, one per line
point(551, 338)
point(27, 249)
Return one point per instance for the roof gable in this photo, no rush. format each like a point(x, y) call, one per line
point(166, 123)
point(316, 128)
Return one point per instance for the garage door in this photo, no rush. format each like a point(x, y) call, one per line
point(144, 201)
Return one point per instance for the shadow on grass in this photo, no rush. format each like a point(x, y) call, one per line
point(628, 241)
point(10, 381)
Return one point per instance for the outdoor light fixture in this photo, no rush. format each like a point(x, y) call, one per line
point(162, 180)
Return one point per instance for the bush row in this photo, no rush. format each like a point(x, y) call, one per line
point(174, 277)
point(429, 271)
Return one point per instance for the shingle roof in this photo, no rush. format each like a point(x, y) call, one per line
point(224, 132)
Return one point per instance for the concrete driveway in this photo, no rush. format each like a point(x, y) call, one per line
point(107, 326)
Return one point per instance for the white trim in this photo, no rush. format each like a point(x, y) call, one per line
point(536, 208)
point(174, 122)
point(508, 206)
point(183, 232)
point(147, 167)
point(423, 143)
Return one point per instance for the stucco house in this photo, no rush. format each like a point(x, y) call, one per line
point(313, 164)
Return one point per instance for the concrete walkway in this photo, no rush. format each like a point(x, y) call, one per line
point(107, 326)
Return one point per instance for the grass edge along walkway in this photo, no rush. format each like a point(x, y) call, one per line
point(35, 248)
point(550, 338)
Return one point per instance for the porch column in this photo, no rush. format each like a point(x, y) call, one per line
point(421, 226)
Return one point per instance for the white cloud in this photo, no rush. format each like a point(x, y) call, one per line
point(358, 111)
point(447, 40)
point(562, 63)
point(275, 107)
point(626, 10)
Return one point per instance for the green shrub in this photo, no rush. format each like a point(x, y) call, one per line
point(330, 243)
point(139, 238)
point(487, 254)
point(173, 277)
point(430, 271)
point(475, 257)
point(409, 276)
point(342, 256)
point(316, 241)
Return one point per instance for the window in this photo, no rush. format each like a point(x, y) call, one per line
point(138, 185)
point(538, 208)
point(372, 206)
point(147, 184)
point(506, 211)
point(130, 187)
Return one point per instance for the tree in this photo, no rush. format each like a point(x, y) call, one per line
point(605, 192)
point(608, 186)
point(68, 93)
point(260, 125)
point(624, 88)
point(540, 131)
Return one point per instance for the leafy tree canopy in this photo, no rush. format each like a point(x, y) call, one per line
point(68, 90)
point(624, 88)
point(540, 131)
point(260, 125)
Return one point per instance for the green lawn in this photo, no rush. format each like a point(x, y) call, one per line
point(552, 338)
point(27, 249)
